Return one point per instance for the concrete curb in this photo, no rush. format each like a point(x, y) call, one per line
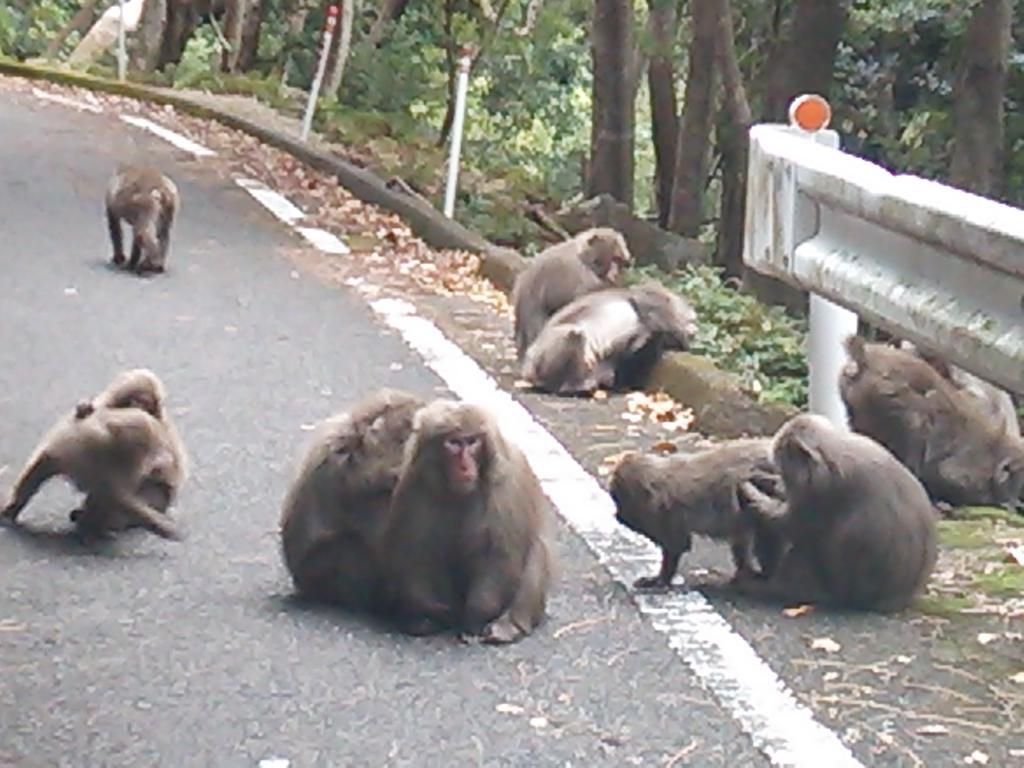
point(721, 408)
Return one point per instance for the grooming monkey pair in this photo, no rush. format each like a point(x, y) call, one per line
point(423, 513)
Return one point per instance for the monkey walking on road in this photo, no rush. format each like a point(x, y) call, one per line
point(148, 200)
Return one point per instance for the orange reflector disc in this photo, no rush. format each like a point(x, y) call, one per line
point(810, 112)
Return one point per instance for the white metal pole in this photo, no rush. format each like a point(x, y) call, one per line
point(121, 54)
point(461, 89)
point(830, 324)
point(321, 67)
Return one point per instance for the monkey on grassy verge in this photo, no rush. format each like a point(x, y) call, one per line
point(335, 507)
point(608, 339)
point(591, 260)
point(995, 401)
point(943, 435)
point(860, 527)
point(670, 498)
point(106, 454)
point(469, 539)
point(148, 200)
point(137, 388)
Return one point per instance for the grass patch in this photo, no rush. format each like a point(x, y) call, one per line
point(1005, 580)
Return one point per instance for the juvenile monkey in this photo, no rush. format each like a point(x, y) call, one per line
point(591, 260)
point(943, 435)
point(335, 507)
point(860, 527)
point(148, 200)
point(106, 455)
point(670, 498)
point(469, 538)
point(138, 388)
point(608, 338)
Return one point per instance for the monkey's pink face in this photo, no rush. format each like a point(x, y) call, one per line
point(462, 462)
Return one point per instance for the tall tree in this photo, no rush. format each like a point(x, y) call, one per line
point(977, 163)
point(148, 38)
point(612, 122)
point(661, 84)
point(693, 147)
point(251, 35)
point(83, 19)
point(234, 21)
point(804, 57)
point(734, 140)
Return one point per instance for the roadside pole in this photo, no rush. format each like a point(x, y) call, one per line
point(314, 92)
point(121, 53)
point(461, 89)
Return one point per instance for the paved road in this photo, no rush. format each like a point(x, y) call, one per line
point(144, 652)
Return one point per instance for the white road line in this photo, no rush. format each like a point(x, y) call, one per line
point(73, 103)
point(168, 135)
point(324, 240)
point(726, 665)
point(276, 203)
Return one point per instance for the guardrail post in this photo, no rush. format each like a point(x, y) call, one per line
point(830, 324)
point(121, 52)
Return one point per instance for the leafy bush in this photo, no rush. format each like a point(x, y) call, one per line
point(762, 345)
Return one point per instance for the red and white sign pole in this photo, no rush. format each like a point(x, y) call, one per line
point(461, 89)
point(314, 92)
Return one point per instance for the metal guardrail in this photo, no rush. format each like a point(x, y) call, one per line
point(939, 266)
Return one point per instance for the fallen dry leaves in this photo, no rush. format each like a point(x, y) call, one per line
point(657, 408)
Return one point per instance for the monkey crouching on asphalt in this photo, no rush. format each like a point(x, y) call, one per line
point(951, 440)
point(608, 339)
point(148, 200)
point(137, 388)
point(107, 454)
point(860, 529)
point(335, 509)
point(470, 536)
point(670, 498)
point(591, 260)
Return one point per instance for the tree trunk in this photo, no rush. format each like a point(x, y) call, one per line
point(234, 20)
point(182, 18)
point(390, 10)
point(977, 163)
point(612, 139)
point(804, 59)
point(80, 22)
point(148, 38)
point(251, 35)
point(693, 147)
point(661, 83)
point(734, 140)
point(341, 44)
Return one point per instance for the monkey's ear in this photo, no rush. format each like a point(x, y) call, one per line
point(802, 460)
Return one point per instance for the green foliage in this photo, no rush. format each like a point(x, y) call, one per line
point(199, 65)
point(26, 26)
point(762, 345)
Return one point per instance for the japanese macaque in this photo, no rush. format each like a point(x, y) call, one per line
point(860, 527)
point(335, 508)
point(469, 540)
point(608, 339)
point(106, 454)
point(945, 436)
point(670, 498)
point(148, 200)
point(591, 260)
point(997, 402)
point(137, 388)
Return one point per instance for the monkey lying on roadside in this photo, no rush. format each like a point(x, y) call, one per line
point(946, 437)
point(336, 506)
point(106, 454)
point(860, 527)
point(591, 260)
point(137, 388)
point(670, 498)
point(148, 200)
point(610, 338)
point(469, 537)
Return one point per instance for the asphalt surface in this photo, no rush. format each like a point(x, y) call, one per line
point(144, 652)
